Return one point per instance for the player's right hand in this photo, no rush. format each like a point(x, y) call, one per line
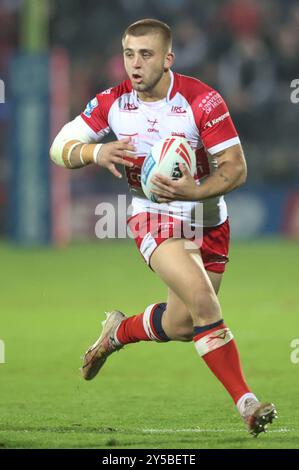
point(114, 153)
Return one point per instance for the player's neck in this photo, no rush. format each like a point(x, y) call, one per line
point(159, 92)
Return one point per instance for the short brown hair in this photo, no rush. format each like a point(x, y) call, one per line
point(150, 26)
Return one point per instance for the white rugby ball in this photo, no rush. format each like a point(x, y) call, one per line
point(164, 158)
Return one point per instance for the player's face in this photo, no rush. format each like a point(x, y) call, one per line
point(146, 61)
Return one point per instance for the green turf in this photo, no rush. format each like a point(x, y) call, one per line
point(148, 395)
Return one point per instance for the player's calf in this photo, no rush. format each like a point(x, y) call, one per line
point(178, 328)
point(184, 334)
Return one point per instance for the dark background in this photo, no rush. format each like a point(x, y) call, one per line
point(247, 49)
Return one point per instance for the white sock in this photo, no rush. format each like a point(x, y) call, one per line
point(241, 402)
point(115, 337)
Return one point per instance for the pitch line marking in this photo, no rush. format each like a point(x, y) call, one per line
point(199, 430)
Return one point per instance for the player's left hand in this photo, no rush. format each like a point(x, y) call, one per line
point(167, 190)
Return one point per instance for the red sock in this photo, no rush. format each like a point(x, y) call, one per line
point(132, 330)
point(143, 327)
point(219, 351)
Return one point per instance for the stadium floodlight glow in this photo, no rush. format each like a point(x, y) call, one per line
point(2, 91)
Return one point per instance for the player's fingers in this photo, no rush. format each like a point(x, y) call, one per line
point(126, 146)
point(130, 155)
point(114, 171)
point(122, 161)
point(120, 152)
point(162, 200)
point(184, 169)
point(162, 193)
point(162, 179)
point(162, 186)
point(121, 155)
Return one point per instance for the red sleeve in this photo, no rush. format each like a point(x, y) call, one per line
point(97, 110)
point(214, 123)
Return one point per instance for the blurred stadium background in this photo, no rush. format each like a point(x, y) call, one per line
point(56, 55)
point(57, 278)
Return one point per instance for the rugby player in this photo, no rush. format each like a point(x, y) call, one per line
point(154, 103)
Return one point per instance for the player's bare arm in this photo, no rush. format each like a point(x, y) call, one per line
point(74, 153)
point(105, 155)
point(230, 174)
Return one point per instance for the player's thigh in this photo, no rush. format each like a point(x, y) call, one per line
point(186, 276)
point(215, 279)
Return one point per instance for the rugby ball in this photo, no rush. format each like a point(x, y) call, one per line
point(164, 158)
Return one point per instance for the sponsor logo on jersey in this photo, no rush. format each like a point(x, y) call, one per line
point(178, 110)
point(90, 107)
point(216, 120)
point(130, 107)
point(210, 102)
point(152, 123)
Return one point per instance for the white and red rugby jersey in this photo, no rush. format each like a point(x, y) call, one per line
point(192, 110)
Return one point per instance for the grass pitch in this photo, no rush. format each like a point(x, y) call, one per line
point(148, 395)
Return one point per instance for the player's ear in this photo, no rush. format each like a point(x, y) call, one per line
point(169, 60)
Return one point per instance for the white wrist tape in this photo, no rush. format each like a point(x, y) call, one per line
point(81, 156)
point(95, 153)
point(70, 152)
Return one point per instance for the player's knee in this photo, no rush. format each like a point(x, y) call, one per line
point(181, 331)
point(205, 306)
point(184, 333)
